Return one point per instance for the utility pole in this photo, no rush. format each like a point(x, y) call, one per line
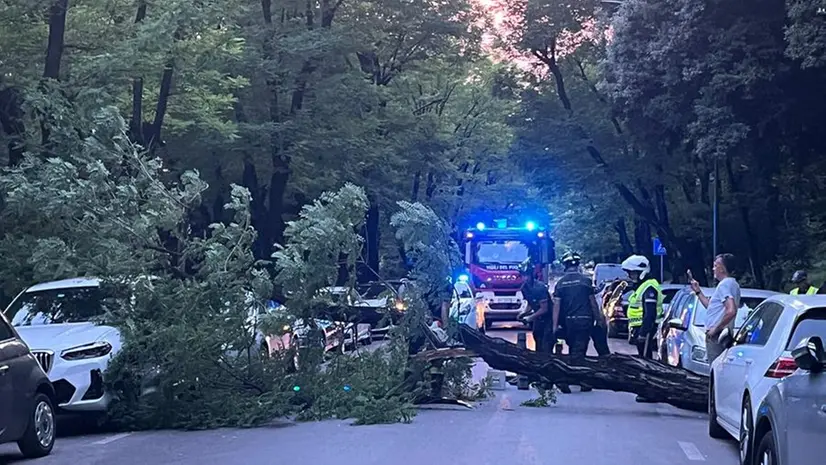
point(715, 206)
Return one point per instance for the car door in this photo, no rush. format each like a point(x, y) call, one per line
point(674, 336)
point(14, 375)
point(749, 342)
point(804, 398)
point(663, 330)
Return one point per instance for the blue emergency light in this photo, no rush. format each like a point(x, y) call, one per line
point(530, 225)
point(463, 278)
point(480, 226)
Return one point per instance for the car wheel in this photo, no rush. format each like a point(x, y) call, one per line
point(38, 440)
point(766, 452)
point(714, 429)
point(746, 429)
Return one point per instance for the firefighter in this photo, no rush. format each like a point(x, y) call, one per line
point(536, 294)
point(802, 286)
point(575, 301)
point(645, 307)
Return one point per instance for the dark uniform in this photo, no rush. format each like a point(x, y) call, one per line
point(644, 336)
point(534, 293)
point(574, 291)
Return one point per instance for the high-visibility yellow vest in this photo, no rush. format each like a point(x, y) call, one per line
point(812, 291)
point(635, 303)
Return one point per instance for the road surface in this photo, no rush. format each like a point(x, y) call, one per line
point(596, 428)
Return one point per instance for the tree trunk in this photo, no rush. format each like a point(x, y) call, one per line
point(11, 122)
point(616, 372)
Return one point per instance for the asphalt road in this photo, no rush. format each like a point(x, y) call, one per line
point(596, 428)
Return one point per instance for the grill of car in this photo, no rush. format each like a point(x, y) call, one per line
point(504, 306)
point(44, 358)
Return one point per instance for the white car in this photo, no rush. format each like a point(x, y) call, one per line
point(61, 322)
point(758, 356)
point(57, 321)
point(466, 309)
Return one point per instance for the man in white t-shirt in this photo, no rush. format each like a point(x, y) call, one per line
point(722, 306)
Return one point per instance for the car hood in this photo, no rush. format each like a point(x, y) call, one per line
point(57, 337)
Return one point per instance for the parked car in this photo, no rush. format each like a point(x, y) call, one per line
point(26, 397)
point(791, 422)
point(756, 358)
point(466, 309)
point(681, 338)
point(60, 321)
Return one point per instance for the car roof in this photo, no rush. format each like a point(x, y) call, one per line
point(800, 303)
point(65, 284)
point(744, 292)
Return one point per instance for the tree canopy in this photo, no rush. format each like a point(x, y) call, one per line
point(254, 150)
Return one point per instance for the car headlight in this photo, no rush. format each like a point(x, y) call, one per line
point(401, 305)
point(698, 354)
point(285, 328)
point(93, 350)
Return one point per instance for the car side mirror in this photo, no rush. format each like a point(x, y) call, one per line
point(809, 355)
point(676, 323)
point(725, 339)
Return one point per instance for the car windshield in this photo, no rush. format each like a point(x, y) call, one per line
point(55, 306)
point(604, 274)
point(747, 305)
point(501, 252)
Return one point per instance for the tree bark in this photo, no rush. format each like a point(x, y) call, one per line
point(616, 372)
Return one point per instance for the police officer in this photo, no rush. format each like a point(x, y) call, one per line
point(575, 300)
point(538, 315)
point(645, 307)
point(802, 287)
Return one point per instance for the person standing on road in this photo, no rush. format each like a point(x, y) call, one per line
point(537, 315)
point(575, 300)
point(802, 286)
point(645, 305)
point(722, 306)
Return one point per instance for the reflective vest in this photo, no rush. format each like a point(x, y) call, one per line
point(635, 303)
point(812, 291)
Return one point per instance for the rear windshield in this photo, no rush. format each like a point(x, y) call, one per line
point(668, 295)
point(812, 323)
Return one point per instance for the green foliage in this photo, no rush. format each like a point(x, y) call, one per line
point(364, 387)
point(547, 397)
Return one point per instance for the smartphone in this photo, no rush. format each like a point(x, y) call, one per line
point(690, 276)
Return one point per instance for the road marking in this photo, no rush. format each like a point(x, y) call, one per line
point(691, 451)
point(111, 439)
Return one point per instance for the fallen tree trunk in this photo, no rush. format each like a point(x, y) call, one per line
point(651, 379)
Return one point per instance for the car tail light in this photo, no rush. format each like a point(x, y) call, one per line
point(782, 367)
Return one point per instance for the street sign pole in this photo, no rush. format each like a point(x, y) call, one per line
point(662, 269)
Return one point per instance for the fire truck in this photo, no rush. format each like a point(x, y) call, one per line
point(493, 252)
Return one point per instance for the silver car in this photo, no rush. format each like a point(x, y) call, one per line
point(681, 338)
point(790, 426)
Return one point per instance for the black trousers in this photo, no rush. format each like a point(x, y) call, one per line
point(600, 337)
point(645, 342)
point(579, 331)
point(543, 336)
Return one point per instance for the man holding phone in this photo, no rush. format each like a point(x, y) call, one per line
point(723, 304)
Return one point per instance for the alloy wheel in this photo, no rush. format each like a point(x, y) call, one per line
point(745, 433)
point(44, 423)
point(766, 458)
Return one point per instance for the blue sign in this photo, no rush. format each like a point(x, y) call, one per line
point(659, 249)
